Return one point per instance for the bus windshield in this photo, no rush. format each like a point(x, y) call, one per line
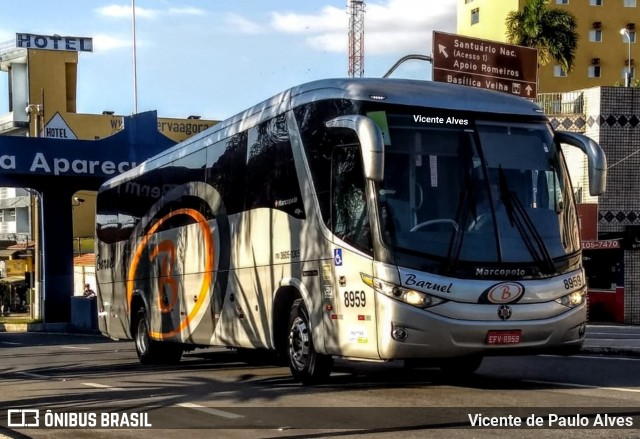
point(475, 191)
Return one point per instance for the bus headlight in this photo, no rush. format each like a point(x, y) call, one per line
point(411, 297)
point(574, 299)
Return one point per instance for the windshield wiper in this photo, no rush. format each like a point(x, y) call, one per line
point(455, 244)
point(519, 218)
point(557, 204)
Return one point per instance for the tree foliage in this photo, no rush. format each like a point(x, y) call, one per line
point(550, 30)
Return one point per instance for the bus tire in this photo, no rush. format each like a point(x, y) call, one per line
point(150, 351)
point(306, 365)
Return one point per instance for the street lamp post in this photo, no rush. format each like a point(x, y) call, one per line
point(627, 76)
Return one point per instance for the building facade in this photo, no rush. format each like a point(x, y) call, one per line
point(15, 215)
point(610, 223)
point(606, 46)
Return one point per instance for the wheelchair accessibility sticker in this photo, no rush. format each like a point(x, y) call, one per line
point(337, 257)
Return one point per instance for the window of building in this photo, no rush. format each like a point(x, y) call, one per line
point(595, 35)
point(475, 16)
point(562, 2)
point(624, 72)
point(629, 3)
point(595, 2)
point(594, 72)
point(559, 72)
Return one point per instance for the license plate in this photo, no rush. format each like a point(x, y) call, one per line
point(503, 337)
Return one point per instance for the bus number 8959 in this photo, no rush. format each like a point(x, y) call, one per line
point(355, 299)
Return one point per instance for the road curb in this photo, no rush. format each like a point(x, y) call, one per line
point(44, 327)
point(609, 350)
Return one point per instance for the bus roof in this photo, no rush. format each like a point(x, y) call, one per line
point(391, 91)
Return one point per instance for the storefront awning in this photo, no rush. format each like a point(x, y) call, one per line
point(12, 279)
point(6, 254)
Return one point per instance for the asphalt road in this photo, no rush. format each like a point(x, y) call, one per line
point(88, 379)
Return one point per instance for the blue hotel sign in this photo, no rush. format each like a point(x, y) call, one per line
point(54, 42)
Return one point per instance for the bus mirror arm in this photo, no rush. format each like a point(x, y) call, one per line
point(595, 155)
point(371, 142)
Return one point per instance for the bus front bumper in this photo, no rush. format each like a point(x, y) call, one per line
point(409, 332)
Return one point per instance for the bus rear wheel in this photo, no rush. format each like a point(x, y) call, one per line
point(306, 365)
point(150, 351)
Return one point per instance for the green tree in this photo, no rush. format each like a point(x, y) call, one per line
point(550, 30)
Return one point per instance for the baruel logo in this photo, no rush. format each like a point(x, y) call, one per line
point(504, 292)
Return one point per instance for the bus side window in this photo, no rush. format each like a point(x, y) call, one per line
point(108, 227)
point(272, 180)
point(188, 169)
point(319, 143)
point(226, 169)
point(349, 213)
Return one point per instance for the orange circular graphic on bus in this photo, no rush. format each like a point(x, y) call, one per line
point(165, 252)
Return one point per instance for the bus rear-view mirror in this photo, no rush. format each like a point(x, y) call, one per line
point(596, 158)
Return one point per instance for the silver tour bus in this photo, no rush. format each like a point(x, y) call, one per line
point(368, 219)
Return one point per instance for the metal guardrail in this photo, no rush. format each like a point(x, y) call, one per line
point(561, 103)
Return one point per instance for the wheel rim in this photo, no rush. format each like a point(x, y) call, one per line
point(299, 344)
point(142, 342)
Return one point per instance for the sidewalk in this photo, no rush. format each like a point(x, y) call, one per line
point(84, 319)
point(17, 322)
point(612, 339)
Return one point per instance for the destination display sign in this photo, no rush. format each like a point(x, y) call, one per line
point(485, 64)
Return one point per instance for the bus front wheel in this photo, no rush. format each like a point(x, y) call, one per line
point(306, 365)
point(150, 351)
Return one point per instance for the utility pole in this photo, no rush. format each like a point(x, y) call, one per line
point(356, 38)
point(135, 58)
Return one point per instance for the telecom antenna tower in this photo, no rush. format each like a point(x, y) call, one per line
point(356, 38)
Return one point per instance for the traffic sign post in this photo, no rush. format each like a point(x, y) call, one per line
point(485, 64)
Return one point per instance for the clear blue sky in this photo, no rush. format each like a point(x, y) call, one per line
point(215, 58)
